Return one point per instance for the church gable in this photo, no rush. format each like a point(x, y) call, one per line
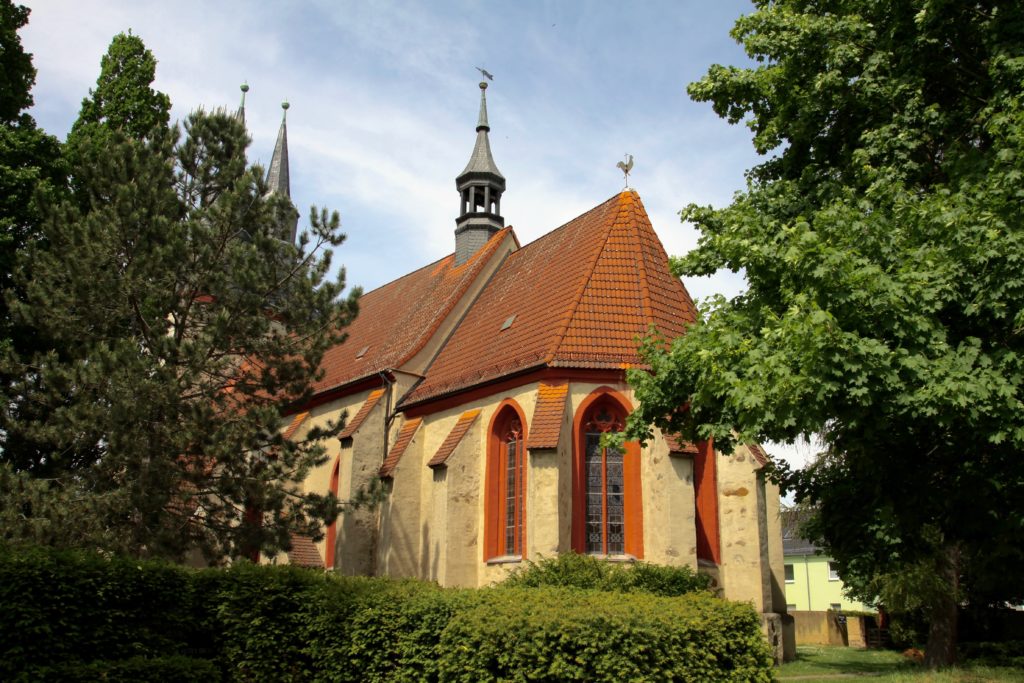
point(397, 320)
point(577, 297)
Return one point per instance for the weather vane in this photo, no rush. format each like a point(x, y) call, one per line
point(626, 167)
point(487, 74)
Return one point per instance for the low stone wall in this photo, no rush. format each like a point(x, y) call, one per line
point(828, 628)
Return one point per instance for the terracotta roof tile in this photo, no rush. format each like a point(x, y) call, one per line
point(581, 296)
point(758, 452)
point(395, 454)
point(466, 421)
point(677, 446)
point(397, 319)
point(546, 426)
point(294, 425)
point(304, 552)
point(364, 410)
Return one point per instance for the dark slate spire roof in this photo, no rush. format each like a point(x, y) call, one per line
point(277, 175)
point(481, 160)
point(480, 187)
point(240, 114)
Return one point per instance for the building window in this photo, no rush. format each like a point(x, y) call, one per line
point(789, 573)
point(606, 512)
point(833, 572)
point(506, 484)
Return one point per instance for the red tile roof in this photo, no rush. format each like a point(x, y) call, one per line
point(304, 552)
point(404, 439)
point(466, 421)
point(581, 296)
point(364, 410)
point(758, 452)
point(294, 425)
point(546, 426)
point(397, 319)
point(678, 446)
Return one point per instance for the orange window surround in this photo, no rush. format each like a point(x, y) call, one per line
point(332, 528)
point(607, 511)
point(505, 493)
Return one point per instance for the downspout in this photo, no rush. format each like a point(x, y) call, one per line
point(388, 419)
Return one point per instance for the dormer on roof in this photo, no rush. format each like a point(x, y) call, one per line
point(480, 186)
point(277, 175)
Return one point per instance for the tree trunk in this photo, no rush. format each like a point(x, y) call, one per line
point(942, 627)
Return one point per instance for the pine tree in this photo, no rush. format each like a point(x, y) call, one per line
point(182, 328)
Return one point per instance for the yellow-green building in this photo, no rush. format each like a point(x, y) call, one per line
point(812, 578)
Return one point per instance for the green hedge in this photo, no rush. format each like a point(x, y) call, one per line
point(75, 616)
point(573, 570)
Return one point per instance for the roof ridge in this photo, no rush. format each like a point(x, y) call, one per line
point(645, 286)
point(660, 248)
point(483, 254)
point(585, 281)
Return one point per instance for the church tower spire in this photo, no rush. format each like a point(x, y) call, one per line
point(480, 186)
point(240, 114)
point(277, 175)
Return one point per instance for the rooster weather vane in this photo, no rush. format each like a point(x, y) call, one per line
point(626, 167)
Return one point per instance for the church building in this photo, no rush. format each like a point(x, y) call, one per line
point(477, 388)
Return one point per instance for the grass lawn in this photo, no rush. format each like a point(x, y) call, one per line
point(823, 663)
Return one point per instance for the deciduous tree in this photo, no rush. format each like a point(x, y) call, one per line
point(883, 242)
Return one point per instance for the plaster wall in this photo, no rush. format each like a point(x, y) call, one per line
point(811, 588)
point(670, 517)
point(744, 570)
point(403, 536)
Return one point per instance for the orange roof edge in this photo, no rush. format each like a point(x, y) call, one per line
point(454, 437)
point(294, 425)
point(405, 436)
point(364, 410)
point(546, 427)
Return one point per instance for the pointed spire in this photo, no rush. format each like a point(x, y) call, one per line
point(481, 160)
point(277, 175)
point(240, 114)
point(480, 186)
point(278, 181)
point(481, 123)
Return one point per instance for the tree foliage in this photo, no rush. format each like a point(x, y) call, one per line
point(124, 99)
point(882, 241)
point(181, 328)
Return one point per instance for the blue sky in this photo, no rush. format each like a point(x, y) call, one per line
point(384, 98)
point(384, 101)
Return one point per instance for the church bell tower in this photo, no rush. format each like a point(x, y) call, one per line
point(480, 186)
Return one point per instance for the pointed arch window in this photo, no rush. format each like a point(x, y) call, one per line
point(607, 513)
point(505, 505)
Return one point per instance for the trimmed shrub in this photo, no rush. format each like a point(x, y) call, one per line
point(558, 634)
point(68, 607)
point(573, 570)
point(174, 669)
point(260, 615)
point(81, 616)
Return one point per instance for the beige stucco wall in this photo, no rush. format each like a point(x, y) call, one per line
point(430, 523)
point(742, 514)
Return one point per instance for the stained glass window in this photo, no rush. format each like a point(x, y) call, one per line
point(605, 487)
point(511, 467)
